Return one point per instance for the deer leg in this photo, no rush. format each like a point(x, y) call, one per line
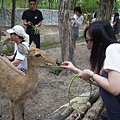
point(22, 108)
point(12, 108)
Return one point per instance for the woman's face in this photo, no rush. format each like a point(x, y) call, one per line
point(89, 41)
point(77, 13)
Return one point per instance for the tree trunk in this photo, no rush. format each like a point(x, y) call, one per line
point(2, 5)
point(105, 9)
point(67, 50)
point(65, 112)
point(94, 111)
point(13, 13)
point(64, 28)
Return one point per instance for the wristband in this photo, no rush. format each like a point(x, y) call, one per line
point(77, 71)
point(91, 77)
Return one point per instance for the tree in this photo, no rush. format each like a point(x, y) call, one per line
point(13, 13)
point(2, 5)
point(67, 51)
point(105, 9)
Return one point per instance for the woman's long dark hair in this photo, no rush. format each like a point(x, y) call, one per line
point(103, 35)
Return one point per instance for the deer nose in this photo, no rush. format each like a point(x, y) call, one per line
point(2, 55)
point(58, 63)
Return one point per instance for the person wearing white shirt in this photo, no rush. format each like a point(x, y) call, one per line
point(76, 22)
point(104, 69)
point(18, 34)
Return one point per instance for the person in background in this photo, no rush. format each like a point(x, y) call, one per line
point(116, 23)
point(76, 21)
point(94, 17)
point(32, 18)
point(105, 71)
point(17, 34)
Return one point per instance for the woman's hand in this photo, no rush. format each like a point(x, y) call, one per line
point(86, 74)
point(68, 65)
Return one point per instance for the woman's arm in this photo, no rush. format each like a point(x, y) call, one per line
point(112, 84)
point(68, 65)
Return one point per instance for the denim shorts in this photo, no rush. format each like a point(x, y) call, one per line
point(111, 102)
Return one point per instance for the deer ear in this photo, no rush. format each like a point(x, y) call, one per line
point(33, 45)
point(23, 49)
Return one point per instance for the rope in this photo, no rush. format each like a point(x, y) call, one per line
point(71, 94)
point(75, 95)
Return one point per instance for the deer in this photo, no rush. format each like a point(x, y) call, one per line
point(8, 43)
point(2, 34)
point(18, 86)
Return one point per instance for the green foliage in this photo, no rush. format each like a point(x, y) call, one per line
point(86, 5)
point(7, 3)
point(48, 4)
point(7, 52)
point(56, 69)
point(35, 28)
point(117, 6)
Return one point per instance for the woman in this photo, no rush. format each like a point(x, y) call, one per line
point(76, 20)
point(116, 23)
point(105, 65)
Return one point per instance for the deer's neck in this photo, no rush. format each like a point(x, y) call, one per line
point(32, 72)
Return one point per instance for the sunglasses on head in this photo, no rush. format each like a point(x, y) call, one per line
point(87, 40)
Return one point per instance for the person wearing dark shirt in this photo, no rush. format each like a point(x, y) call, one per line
point(116, 23)
point(32, 18)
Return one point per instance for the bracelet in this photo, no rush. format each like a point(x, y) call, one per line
point(77, 71)
point(91, 77)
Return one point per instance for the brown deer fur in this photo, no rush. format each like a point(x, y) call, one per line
point(18, 86)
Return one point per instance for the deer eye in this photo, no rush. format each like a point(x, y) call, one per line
point(38, 55)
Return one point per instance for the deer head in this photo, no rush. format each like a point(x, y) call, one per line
point(35, 56)
point(6, 41)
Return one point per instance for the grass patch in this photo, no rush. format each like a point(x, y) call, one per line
point(81, 39)
point(48, 44)
point(45, 46)
point(7, 52)
point(57, 44)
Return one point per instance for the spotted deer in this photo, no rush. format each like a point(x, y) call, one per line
point(18, 86)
